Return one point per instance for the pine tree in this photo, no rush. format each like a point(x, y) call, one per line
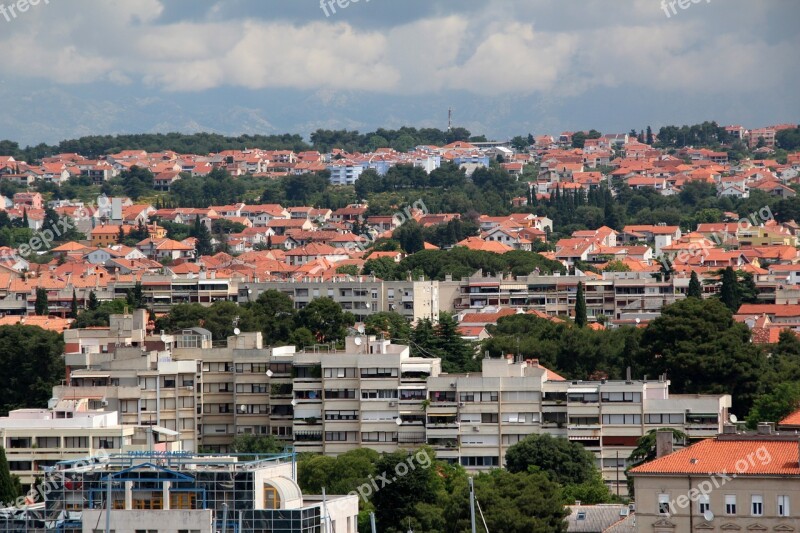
point(695, 290)
point(25, 218)
point(269, 242)
point(74, 308)
point(729, 292)
point(580, 306)
point(93, 303)
point(8, 492)
point(41, 307)
point(121, 235)
point(649, 136)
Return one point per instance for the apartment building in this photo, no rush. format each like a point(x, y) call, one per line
point(733, 482)
point(472, 419)
point(35, 439)
point(184, 492)
point(124, 369)
point(617, 295)
point(362, 296)
point(370, 394)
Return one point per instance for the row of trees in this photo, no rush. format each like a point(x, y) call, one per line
point(461, 262)
point(543, 475)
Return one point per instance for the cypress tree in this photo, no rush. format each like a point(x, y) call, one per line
point(93, 303)
point(74, 308)
point(695, 290)
point(41, 307)
point(8, 492)
point(729, 292)
point(580, 306)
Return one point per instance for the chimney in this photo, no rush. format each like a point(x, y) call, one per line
point(663, 443)
point(765, 428)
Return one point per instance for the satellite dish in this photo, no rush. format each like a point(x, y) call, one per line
point(294, 402)
point(243, 408)
point(733, 419)
point(358, 341)
point(236, 331)
point(269, 373)
point(398, 421)
point(708, 515)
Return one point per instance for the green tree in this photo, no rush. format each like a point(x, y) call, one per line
point(256, 444)
point(702, 350)
point(389, 324)
point(457, 354)
point(31, 364)
point(137, 182)
point(350, 270)
point(274, 315)
point(135, 296)
point(74, 306)
point(410, 237)
point(774, 405)
point(203, 236)
point(326, 320)
point(8, 490)
point(580, 306)
point(41, 307)
point(511, 503)
point(564, 461)
point(93, 303)
point(729, 292)
point(695, 289)
point(397, 502)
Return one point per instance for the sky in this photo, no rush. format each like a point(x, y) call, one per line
point(70, 68)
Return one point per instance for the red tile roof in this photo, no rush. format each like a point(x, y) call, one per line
point(711, 456)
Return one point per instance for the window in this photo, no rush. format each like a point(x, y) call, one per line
point(783, 506)
point(340, 372)
point(379, 373)
point(622, 419)
point(341, 415)
point(581, 515)
point(629, 397)
point(489, 418)
point(272, 500)
point(730, 504)
point(663, 504)
point(183, 500)
point(704, 503)
point(757, 505)
point(490, 460)
point(663, 418)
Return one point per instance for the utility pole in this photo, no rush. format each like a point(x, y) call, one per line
point(472, 504)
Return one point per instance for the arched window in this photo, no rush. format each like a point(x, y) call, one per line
point(272, 498)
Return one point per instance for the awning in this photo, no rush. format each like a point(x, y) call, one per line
point(416, 367)
point(76, 375)
point(412, 387)
point(583, 390)
point(164, 431)
point(583, 437)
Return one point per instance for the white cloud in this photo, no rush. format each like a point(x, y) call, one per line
point(505, 48)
